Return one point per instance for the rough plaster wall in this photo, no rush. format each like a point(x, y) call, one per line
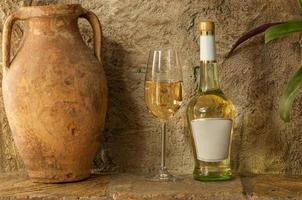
point(253, 79)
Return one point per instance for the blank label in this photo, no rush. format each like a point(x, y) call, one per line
point(212, 138)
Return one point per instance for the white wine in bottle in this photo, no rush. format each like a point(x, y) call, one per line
point(210, 116)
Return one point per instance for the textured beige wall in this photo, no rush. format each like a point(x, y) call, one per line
point(253, 79)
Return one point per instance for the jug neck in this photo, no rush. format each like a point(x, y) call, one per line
point(52, 25)
point(74, 10)
point(51, 19)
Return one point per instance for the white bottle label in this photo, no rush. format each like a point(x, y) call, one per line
point(207, 47)
point(212, 138)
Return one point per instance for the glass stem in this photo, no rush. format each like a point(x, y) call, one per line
point(163, 145)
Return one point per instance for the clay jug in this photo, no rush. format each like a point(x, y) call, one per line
point(55, 92)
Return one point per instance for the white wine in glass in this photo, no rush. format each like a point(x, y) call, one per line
point(163, 96)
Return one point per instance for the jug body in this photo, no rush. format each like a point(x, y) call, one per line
point(55, 94)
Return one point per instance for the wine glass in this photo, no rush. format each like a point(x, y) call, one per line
point(163, 96)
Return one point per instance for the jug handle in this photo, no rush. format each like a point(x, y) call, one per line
point(6, 39)
point(97, 31)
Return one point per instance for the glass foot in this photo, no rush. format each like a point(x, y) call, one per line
point(163, 176)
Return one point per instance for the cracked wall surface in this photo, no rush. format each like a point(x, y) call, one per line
point(253, 78)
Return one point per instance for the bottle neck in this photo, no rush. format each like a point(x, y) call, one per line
point(209, 80)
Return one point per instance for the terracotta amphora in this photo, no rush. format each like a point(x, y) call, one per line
point(55, 92)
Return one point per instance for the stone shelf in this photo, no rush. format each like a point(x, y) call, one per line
point(135, 187)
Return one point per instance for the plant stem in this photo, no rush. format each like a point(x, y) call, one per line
point(250, 34)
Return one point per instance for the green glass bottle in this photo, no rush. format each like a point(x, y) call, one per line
point(210, 116)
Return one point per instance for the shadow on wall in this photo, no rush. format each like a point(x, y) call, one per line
point(122, 124)
point(262, 147)
point(256, 140)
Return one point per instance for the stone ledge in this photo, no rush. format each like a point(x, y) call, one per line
point(135, 187)
point(267, 187)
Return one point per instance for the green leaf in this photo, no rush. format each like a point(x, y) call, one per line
point(289, 94)
point(281, 30)
point(300, 3)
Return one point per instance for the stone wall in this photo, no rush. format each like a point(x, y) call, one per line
point(253, 78)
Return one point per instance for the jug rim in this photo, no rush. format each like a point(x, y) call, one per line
point(50, 10)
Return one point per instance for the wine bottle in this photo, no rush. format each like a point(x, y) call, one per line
point(210, 116)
